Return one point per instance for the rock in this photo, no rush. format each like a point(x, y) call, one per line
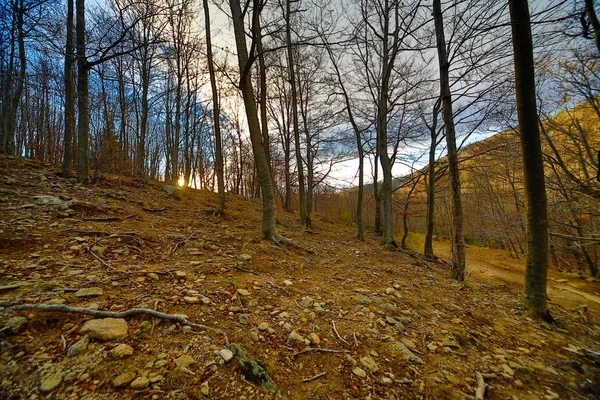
point(191, 299)
point(14, 324)
point(388, 307)
point(124, 379)
point(48, 201)
point(226, 354)
point(369, 364)
point(140, 383)
point(287, 283)
point(122, 350)
point(362, 299)
point(89, 292)
point(153, 276)
point(409, 355)
point(244, 319)
point(243, 292)
point(361, 373)
point(106, 329)
point(244, 257)
point(295, 337)
point(78, 347)
point(205, 300)
point(204, 389)
point(184, 361)
point(145, 326)
point(263, 326)
point(507, 369)
point(314, 338)
point(180, 274)
point(448, 342)
point(51, 382)
point(320, 311)
point(306, 302)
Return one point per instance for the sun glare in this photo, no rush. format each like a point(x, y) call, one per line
point(181, 181)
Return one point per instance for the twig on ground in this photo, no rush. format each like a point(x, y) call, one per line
point(317, 349)
point(481, 386)
point(568, 388)
point(583, 307)
point(246, 270)
point(108, 267)
point(336, 332)
point(312, 378)
point(106, 314)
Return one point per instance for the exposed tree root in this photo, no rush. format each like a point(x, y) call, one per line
point(107, 314)
point(282, 241)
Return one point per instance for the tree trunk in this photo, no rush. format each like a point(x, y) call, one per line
point(295, 124)
point(594, 22)
point(269, 229)
point(216, 113)
point(430, 213)
point(536, 267)
point(69, 94)
point(83, 128)
point(458, 239)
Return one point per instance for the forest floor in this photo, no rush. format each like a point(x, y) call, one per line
point(331, 318)
point(569, 289)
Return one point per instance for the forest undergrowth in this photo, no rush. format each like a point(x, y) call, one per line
point(332, 318)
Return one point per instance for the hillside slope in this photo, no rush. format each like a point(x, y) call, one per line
point(330, 318)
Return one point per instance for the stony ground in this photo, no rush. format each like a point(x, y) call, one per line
point(332, 318)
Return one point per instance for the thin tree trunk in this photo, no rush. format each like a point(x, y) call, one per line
point(216, 114)
point(269, 229)
point(295, 124)
point(83, 128)
point(430, 213)
point(536, 267)
point(458, 239)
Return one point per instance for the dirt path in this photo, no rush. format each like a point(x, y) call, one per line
point(496, 265)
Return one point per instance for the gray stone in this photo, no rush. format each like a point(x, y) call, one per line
point(106, 329)
point(244, 257)
point(226, 354)
point(369, 364)
point(122, 350)
point(191, 299)
point(15, 323)
point(124, 379)
point(263, 326)
point(295, 337)
point(362, 299)
point(243, 292)
point(51, 382)
point(204, 389)
point(145, 326)
point(306, 302)
point(361, 373)
point(89, 292)
point(409, 355)
point(48, 201)
point(78, 347)
point(140, 383)
point(244, 319)
point(153, 276)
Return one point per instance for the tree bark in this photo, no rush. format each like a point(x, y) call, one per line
point(69, 94)
point(83, 126)
point(269, 229)
point(536, 267)
point(295, 124)
point(458, 240)
point(216, 113)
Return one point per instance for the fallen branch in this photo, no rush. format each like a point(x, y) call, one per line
point(583, 307)
point(403, 381)
point(481, 386)
point(312, 378)
point(107, 266)
point(336, 332)
point(312, 349)
point(246, 270)
point(105, 314)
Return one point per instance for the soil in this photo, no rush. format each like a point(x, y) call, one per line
point(377, 324)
